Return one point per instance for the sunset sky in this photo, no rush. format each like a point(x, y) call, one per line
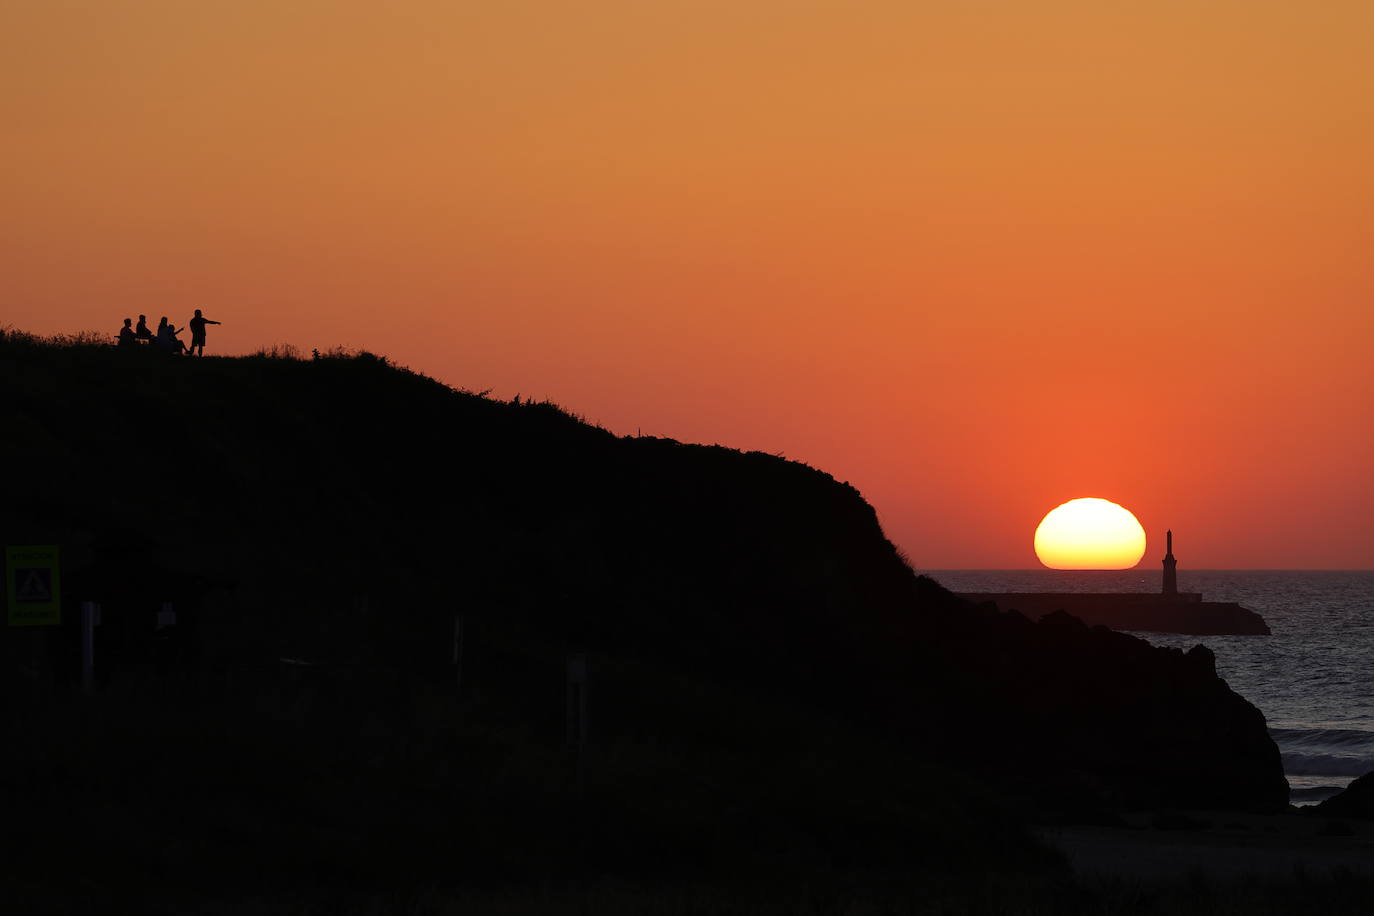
point(976, 258)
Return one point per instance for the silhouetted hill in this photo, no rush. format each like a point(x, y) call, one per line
point(769, 682)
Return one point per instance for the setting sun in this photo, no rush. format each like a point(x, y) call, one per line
point(1089, 533)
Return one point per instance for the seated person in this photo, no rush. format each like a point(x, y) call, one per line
point(126, 334)
point(167, 337)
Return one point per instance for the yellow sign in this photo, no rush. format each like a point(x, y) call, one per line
point(33, 586)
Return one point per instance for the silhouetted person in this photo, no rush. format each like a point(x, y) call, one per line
point(198, 324)
point(141, 329)
point(126, 334)
point(167, 337)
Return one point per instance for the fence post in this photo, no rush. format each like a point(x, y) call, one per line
point(577, 711)
point(89, 610)
point(458, 651)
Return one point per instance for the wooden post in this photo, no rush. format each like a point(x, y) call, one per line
point(458, 651)
point(89, 610)
point(577, 712)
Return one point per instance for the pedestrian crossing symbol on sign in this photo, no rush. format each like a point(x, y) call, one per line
point(32, 586)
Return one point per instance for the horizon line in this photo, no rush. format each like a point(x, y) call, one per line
point(1146, 569)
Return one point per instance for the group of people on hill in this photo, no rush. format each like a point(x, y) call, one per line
point(166, 339)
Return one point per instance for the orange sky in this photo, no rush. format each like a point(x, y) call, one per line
point(977, 258)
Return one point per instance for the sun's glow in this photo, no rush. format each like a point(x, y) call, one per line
point(1089, 533)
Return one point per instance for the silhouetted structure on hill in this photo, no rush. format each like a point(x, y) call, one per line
point(1168, 611)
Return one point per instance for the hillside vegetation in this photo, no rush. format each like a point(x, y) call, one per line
point(771, 688)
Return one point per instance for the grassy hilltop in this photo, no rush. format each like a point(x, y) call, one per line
point(320, 522)
point(772, 690)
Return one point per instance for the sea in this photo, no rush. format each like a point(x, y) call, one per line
point(1311, 678)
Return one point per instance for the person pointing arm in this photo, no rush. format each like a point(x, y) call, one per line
point(198, 324)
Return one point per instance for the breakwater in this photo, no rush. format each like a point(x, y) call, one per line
point(1142, 612)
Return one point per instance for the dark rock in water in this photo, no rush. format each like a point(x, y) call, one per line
point(1202, 659)
point(1356, 801)
point(1087, 712)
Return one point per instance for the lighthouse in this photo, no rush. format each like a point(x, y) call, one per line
point(1170, 565)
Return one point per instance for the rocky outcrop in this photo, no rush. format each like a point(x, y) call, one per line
point(1067, 711)
point(1356, 801)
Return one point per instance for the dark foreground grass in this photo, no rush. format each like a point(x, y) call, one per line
point(184, 808)
point(929, 896)
point(855, 895)
point(154, 800)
